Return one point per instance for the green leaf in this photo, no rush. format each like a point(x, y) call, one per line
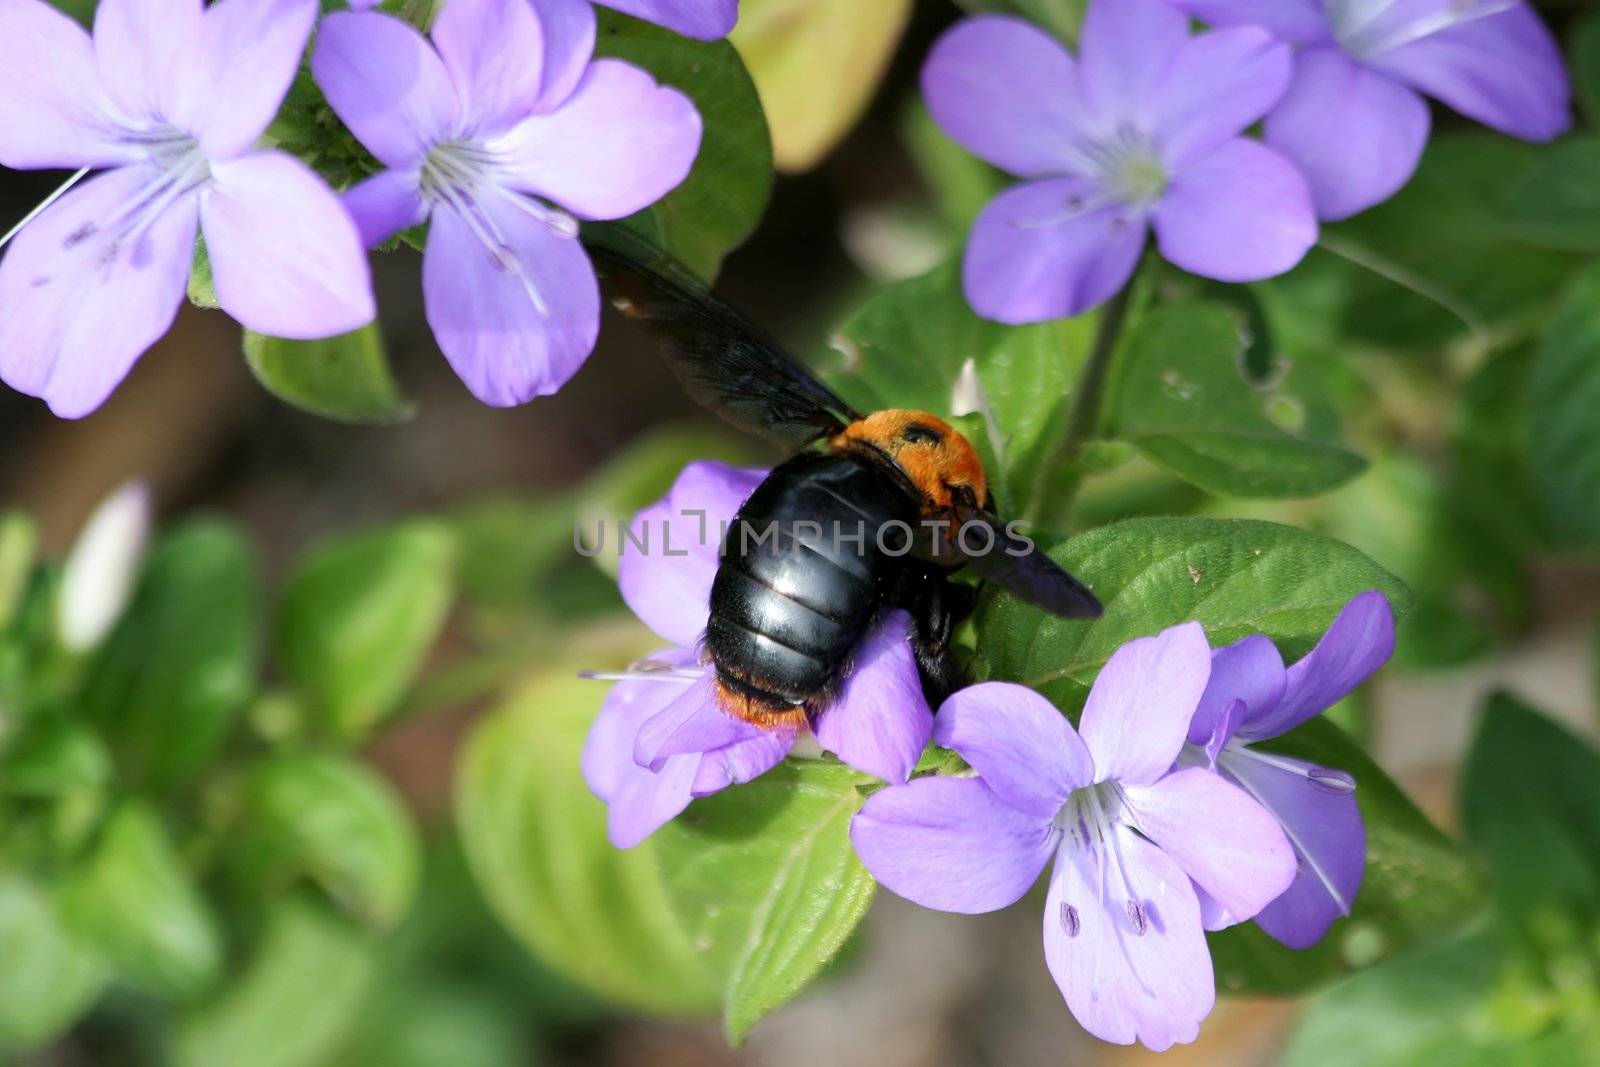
point(1530, 801)
point(1555, 203)
point(433, 1023)
point(19, 547)
point(1418, 884)
point(1061, 16)
point(1237, 577)
point(53, 757)
point(345, 377)
point(1584, 49)
point(1182, 397)
point(337, 822)
point(47, 979)
point(767, 883)
point(1565, 398)
point(359, 616)
point(786, 42)
point(535, 839)
point(294, 1004)
point(202, 282)
point(181, 664)
point(724, 196)
point(905, 348)
point(135, 902)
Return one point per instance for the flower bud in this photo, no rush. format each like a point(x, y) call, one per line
point(100, 572)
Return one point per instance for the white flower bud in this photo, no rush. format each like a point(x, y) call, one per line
point(101, 570)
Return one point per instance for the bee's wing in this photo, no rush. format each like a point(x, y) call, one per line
point(1016, 565)
point(726, 362)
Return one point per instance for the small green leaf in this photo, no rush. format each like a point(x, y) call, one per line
point(47, 979)
point(1564, 401)
point(181, 664)
point(335, 821)
point(345, 377)
point(53, 757)
point(202, 283)
point(1237, 577)
point(767, 883)
point(1530, 800)
point(1418, 884)
point(724, 196)
point(786, 42)
point(1584, 49)
point(294, 1004)
point(133, 900)
point(359, 616)
point(1182, 397)
point(1061, 16)
point(1555, 203)
point(535, 838)
point(19, 547)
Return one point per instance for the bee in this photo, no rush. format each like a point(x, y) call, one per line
point(884, 514)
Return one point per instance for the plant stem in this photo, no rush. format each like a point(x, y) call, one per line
point(1083, 421)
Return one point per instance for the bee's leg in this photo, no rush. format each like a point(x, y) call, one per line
point(937, 606)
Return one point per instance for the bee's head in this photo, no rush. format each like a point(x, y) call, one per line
point(931, 452)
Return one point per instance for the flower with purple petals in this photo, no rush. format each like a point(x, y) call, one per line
point(168, 99)
point(1354, 119)
point(1251, 697)
point(1131, 837)
point(499, 133)
point(706, 20)
point(661, 739)
point(1141, 132)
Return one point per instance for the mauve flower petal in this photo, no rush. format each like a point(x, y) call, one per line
point(1298, 21)
point(250, 51)
point(1021, 266)
point(668, 584)
point(648, 800)
point(694, 722)
point(951, 844)
point(487, 46)
point(568, 31)
point(619, 143)
point(1214, 916)
point(148, 52)
point(1250, 670)
point(81, 303)
point(503, 347)
point(1125, 49)
point(1505, 70)
point(706, 20)
point(608, 750)
point(1324, 826)
point(1007, 92)
point(1139, 709)
point(880, 722)
point(1226, 726)
point(1231, 846)
point(386, 82)
point(385, 204)
point(286, 256)
point(1354, 133)
point(1358, 642)
point(742, 761)
point(1121, 984)
point(1240, 214)
point(1220, 84)
point(1019, 743)
point(53, 112)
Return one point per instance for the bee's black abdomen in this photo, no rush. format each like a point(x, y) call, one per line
point(792, 597)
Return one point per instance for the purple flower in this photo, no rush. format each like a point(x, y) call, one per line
point(661, 738)
point(1250, 698)
point(1141, 132)
point(500, 118)
point(1122, 923)
point(169, 99)
point(1354, 121)
point(705, 19)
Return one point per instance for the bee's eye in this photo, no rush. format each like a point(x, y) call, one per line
point(964, 496)
point(917, 434)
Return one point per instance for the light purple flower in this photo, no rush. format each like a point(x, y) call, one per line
point(1251, 698)
point(1141, 132)
point(1354, 119)
point(168, 99)
point(501, 117)
point(707, 20)
point(1122, 923)
point(661, 739)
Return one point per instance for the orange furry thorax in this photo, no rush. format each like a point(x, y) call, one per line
point(931, 452)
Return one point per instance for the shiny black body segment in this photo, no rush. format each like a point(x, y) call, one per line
point(802, 577)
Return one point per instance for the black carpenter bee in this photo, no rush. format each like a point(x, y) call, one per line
point(884, 515)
